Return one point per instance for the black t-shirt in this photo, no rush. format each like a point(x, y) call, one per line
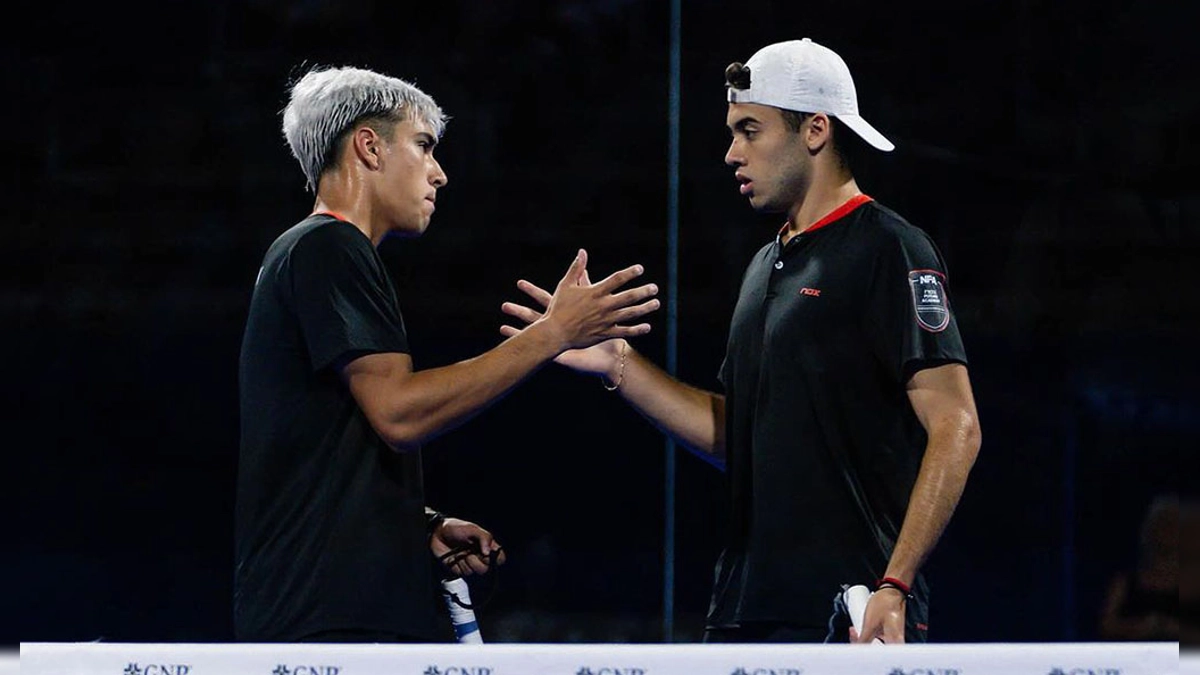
point(330, 522)
point(823, 446)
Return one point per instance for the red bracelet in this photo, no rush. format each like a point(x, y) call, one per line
point(893, 582)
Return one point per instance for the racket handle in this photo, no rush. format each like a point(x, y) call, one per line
point(466, 628)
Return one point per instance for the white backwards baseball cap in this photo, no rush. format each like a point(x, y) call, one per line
point(803, 76)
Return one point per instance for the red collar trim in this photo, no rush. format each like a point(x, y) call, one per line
point(834, 215)
point(331, 214)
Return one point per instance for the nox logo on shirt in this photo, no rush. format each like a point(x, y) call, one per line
point(929, 299)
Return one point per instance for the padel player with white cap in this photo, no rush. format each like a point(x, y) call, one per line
point(847, 423)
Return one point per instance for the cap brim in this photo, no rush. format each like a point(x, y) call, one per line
point(867, 132)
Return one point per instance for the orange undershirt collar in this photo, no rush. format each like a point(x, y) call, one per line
point(331, 214)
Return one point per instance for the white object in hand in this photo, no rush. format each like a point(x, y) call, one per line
point(466, 628)
point(856, 598)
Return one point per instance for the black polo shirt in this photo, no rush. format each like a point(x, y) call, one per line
point(823, 445)
point(330, 521)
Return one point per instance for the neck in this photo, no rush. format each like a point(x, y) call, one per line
point(820, 199)
point(346, 195)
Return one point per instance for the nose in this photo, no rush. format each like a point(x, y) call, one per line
point(438, 178)
point(733, 156)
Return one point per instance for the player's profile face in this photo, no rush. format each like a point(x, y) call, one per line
point(767, 156)
point(412, 177)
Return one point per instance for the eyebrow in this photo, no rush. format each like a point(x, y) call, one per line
point(743, 122)
point(427, 137)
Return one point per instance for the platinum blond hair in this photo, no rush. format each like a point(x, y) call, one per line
point(327, 102)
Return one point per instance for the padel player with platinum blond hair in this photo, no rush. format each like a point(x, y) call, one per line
point(334, 542)
point(846, 422)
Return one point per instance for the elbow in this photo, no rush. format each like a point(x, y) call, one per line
point(957, 436)
point(401, 437)
point(971, 434)
point(403, 426)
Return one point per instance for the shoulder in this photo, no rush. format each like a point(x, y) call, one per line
point(886, 224)
point(322, 236)
point(888, 231)
point(324, 230)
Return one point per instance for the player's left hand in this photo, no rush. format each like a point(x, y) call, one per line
point(465, 547)
point(883, 618)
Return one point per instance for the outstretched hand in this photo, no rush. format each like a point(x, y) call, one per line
point(587, 314)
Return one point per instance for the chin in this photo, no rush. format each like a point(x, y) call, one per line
point(408, 231)
point(760, 205)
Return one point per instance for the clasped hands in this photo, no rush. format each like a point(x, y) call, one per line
point(587, 314)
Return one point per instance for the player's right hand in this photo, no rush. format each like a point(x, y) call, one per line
point(584, 314)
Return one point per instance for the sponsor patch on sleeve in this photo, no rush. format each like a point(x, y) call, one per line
point(929, 299)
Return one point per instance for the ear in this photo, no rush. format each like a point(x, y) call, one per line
point(819, 131)
point(366, 146)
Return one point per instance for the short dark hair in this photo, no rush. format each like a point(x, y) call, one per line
point(794, 118)
point(737, 75)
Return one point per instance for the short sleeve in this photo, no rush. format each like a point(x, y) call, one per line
point(910, 315)
point(342, 297)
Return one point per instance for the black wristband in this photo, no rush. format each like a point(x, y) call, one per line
point(432, 520)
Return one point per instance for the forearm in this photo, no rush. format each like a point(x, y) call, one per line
point(692, 416)
point(949, 456)
point(428, 403)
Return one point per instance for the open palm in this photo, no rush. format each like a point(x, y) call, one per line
point(595, 360)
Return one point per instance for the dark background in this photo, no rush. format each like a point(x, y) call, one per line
point(1049, 149)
